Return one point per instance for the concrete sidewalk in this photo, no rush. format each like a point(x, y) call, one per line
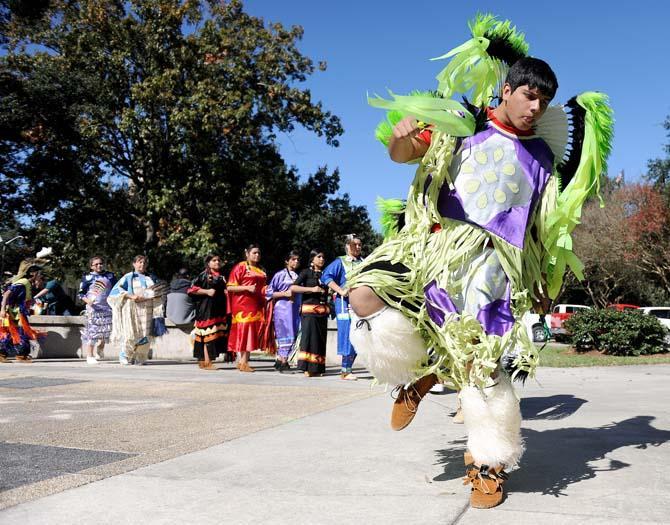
point(597, 442)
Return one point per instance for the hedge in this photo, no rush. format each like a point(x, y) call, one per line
point(617, 333)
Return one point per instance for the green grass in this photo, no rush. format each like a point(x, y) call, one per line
point(562, 356)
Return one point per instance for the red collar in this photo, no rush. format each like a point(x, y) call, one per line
point(508, 129)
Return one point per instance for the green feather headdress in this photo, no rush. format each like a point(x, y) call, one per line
point(480, 65)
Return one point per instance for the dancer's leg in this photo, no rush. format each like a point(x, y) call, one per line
point(364, 301)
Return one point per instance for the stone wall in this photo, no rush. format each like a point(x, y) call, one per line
point(63, 340)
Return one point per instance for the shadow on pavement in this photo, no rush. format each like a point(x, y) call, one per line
point(550, 407)
point(576, 447)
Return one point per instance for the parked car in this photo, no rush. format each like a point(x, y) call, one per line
point(535, 327)
point(559, 314)
point(662, 313)
point(623, 307)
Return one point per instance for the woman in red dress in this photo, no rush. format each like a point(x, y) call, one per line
point(246, 292)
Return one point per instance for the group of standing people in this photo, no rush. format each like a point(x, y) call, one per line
point(305, 296)
point(232, 317)
point(271, 316)
point(128, 310)
point(229, 315)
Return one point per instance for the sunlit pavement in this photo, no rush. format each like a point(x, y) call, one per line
point(169, 443)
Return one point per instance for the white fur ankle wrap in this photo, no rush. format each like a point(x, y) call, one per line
point(493, 421)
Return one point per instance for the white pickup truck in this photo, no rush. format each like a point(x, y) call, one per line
point(662, 313)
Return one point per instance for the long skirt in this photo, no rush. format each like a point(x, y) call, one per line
point(245, 333)
point(13, 338)
point(312, 356)
point(286, 324)
point(136, 349)
point(98, 325)
point(214, 334)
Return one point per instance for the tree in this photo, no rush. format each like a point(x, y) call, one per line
point(599, 243)
point(647, 233)
point(20, 11)
point(149, 126)
point(658, 170)
point(626, 246)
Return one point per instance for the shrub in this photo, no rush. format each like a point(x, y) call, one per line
point(617, 333)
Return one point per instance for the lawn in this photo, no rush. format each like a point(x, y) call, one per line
point(563, 356)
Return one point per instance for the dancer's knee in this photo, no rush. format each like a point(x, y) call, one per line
point(392, 347)
point(364, 301)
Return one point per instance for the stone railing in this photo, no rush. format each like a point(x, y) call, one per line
point(63, 340)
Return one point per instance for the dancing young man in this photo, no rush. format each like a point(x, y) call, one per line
point(485, 236)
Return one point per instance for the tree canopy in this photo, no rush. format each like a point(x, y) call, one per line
point(149, 126)
point(625, 246)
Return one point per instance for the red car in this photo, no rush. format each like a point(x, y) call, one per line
point(623, 307)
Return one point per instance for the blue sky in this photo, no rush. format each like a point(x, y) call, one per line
point(374, 45)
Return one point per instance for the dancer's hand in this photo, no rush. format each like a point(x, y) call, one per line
point(211, 292)
point(405, 144)
point(251, 288)
point(407, 127)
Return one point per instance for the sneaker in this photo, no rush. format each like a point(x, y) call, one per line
point(91, 361)
point(285, 367)
point(407, 402)
point(123, 358)
point(24, 359)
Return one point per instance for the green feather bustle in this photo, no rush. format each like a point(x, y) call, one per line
point(562, 220)
point(390, 210)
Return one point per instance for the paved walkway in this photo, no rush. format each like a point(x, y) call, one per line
point(167, 443)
